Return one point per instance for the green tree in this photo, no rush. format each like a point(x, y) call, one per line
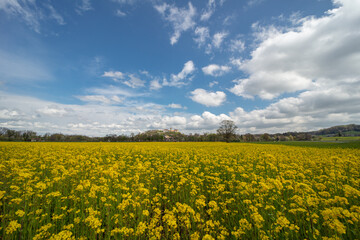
point(227, 130)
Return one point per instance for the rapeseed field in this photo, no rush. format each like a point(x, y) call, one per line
point(178, 191)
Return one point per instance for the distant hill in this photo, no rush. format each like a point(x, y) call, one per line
point(341, 130)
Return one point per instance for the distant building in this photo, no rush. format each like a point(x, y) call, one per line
point(171, 130)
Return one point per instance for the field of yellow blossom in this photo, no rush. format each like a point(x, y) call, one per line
point(178, 191)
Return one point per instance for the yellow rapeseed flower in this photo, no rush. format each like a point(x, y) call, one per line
point(12, 227)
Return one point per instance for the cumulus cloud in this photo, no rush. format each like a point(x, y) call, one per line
point(9, 114)
point(203, 38)
point(114, 74)
point(309, 111)
point(216, 42)
point(210, 9)
point(239, 89)
point(313, 109)
point(237, 45)
point(94, 118)
point(213, 83)
point(206, 121)
point(209, 99)
point(202, 34)
point(131, 79)
point(215, 70)
point(181, 19)
point(183, 77)
point(321, 50)
point(218, 39)
point(134, 82)
point(120, 13)
point(237, 62)
point(169, 122)
point(155, 84)
point(176, 106)
point(52, 110)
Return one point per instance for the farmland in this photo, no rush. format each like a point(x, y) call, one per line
point(178, 191)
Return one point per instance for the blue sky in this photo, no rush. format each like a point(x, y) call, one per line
point(121, 66)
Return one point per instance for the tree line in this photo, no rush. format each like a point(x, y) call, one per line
point(224, 133)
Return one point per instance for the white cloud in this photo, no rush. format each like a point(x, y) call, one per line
point(9, 114)
point(100, 99)
point(94, 118)
point(114, 74)
point(169, 122)
point(309, 111)
point(206, 14)
point(84, 6)
point(155, 84)
point(314, 109)
point(210, 9)
point(125, 1)
point(213, 83)
point(239, 88)
point(228, 19)
point(181, 19)
point(209, 99)
point(237, 62)
point(134, 82)
point(55, 15)
point(215, 70)
point(176, 106)
point(120, 13)
point(254, 2)
point(218, 39)
point(321, 50)
point(30, 12)
point(162, 8)
point(175, 120)
point(146, 73)
point(116, 99)
point(269, 87)
point(207, 121)
point(52, 110)
point(202, 34)
point(23, 9)
point(183, 77)
point(237, 45)
point(112, 90)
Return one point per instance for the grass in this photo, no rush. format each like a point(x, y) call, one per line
point(323, 144)
point(340, 139)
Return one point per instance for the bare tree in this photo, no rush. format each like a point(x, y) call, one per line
point(227, 130)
